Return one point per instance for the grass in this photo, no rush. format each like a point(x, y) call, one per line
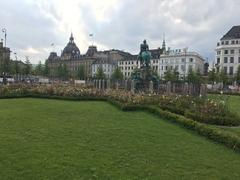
point(233, 103)
point(53, 139)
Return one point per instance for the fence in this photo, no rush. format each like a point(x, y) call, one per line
point(180, 88)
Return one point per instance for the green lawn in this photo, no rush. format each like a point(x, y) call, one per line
point(233, 103)
point(53, 139)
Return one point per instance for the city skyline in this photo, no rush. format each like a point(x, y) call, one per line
point(33, 26)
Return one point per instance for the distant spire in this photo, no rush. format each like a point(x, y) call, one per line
point(164, 43)
point(71, 38)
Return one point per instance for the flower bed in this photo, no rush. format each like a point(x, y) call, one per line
point(196, 108)
point(126, 104)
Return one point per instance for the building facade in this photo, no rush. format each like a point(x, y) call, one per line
point(181, 61)
point(161, 60)
point(228, 52)
point(72, 58)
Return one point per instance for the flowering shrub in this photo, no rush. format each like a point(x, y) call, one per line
point(199, 109)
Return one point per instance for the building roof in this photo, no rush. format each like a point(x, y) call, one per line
point(71, 49)
point(233, 33)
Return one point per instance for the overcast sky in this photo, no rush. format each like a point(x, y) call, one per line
point(33, 25)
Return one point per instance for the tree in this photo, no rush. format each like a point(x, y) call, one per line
point(16, 68)
point(222, 77)
point(46, 69)
point(62, 71)
point(212, 76)
point(194, 77)
point(28, 67)
point(39, 69)
point(117, 74)
point(237, 77)
point(168, 76)
point(100, 74)
point(81, 73)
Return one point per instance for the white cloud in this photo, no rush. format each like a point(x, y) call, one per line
point(34, 24)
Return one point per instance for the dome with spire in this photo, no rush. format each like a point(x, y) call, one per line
point(71, 50)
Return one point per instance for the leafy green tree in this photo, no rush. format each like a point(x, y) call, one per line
point(46, 70)
point(212, 76)
point(62, 72)
point(194, 77)
point(168, 76)
point(28, 67)
point(171, 75)
point(117, 74)
point(39, 69)
point(16, 67)
point(81, 73)
point(100, 74)
point(222, 77)
point(175, 75)
point(5, 66)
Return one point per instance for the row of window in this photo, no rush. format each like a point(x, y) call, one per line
point(230, 72)
point(232, 51)
point(183, 60)
point(228, 60)
point(229, 42)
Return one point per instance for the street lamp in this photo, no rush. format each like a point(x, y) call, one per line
point(4, 30)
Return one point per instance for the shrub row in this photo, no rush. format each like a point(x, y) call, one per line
point(225, 93)
point(228, 139)
point(214, 120)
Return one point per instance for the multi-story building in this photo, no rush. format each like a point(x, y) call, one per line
point(93, 58)
point(130, 63)
point(228, 52)
point(4, 58)
point(181, 61)
point(162, 60)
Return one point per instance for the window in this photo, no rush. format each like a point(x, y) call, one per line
point(231, 70)
point(226, 52)
point(219, 52)
point(166, 67)
point(225, 60)
point(236, 41)
point(226, 42)
point(162, 67)
point(233, 42)
point(218, 60)
point(191, 59)
point(183, 59)
point(182, 67)
point(176, 67)
point(225, 70)
point(232, 51)
point(231, 59)
point(222, 42)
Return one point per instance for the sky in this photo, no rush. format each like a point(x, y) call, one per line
point(33, 25)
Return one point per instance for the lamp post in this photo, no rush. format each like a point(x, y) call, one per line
point(4, 30)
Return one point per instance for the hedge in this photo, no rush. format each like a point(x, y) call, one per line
point(228, 139)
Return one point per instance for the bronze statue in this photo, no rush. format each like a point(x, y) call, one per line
point(144, 55)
